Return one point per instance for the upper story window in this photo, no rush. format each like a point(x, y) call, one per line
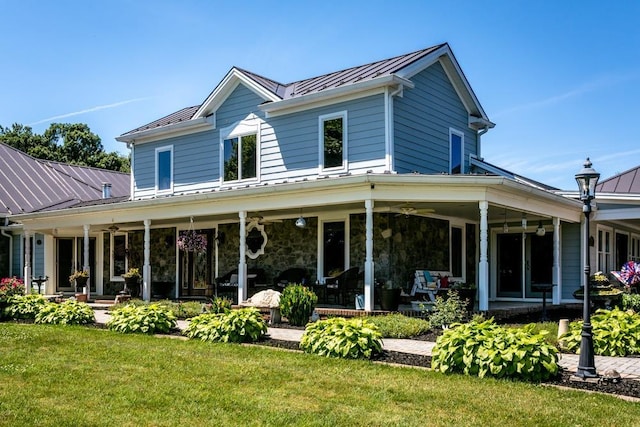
point(240, 157)
point(239, 145)
point(456, 151)
point(164, 169)
point(333, 141)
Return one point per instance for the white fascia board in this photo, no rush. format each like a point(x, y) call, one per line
point(329, 96)
point(226, 86)
point(617, 214)
point(175, 129)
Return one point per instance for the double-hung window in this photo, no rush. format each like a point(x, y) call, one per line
point(240, 157)
point(164, 169)
point(456, 151)
point(333, 141)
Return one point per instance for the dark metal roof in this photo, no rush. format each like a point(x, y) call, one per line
point(307, 86)
point(625, 182)
point(177, 117)
point(30, 185)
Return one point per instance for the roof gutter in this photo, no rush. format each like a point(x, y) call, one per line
point(378, 82)
point(188, 126)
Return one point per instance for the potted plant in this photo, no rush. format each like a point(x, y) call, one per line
point(390, 296)
point(466, 291)
point(79, 279)
point(132, 281)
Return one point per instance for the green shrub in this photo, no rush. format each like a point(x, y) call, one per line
point(447, 311)
point(297, 303)
point(631, 302)
point(218, 305)
point(355, 338)
point(146, 319)
point(486, 349)
point(237, 326)
point(70, 312)
point(399, 326)
point(24, 306)
point(10, 286)
point(615, 333)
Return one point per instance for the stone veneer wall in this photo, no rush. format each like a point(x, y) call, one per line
point(287, 246)
point(415, 243)
point(162, 256)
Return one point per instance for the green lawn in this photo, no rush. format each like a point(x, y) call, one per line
point(76, 376)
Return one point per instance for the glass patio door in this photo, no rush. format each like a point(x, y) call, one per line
point(517, 274)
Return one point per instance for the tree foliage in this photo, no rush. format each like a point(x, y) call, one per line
point(72, 143)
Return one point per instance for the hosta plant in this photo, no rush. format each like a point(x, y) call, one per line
point(237, 326)
point(631, 302)
point(70, 312)
point(615, 333)
point(24, 306)
point(355, 338)
point(486, 349)
point(146, 319)
point(297, 303)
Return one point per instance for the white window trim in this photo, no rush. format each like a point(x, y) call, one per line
point(452, 132)
point(635, 247)
point(345, 164)
point(111, 254)
point(610, 254)
point(159, 150)
point(248, 126)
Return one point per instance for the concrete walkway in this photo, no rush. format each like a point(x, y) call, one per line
point(628, 367)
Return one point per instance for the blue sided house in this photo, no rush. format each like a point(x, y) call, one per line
point(347, 181)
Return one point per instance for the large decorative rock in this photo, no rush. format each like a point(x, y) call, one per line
point(268, 298)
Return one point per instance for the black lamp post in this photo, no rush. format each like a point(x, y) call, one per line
point(587, 179)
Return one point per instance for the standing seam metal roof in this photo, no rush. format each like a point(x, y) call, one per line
point(30, 185)
point(307, 86)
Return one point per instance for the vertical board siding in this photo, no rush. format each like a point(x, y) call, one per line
point(422, 118)
point(571, 259)
point(16, 266)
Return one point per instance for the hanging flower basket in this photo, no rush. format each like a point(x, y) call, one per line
point(190, 241)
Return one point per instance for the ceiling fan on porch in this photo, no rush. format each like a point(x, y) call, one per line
point(408, 210)
point(259, 219)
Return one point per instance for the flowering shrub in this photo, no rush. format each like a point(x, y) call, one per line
point(10, 286)
point(191, 241)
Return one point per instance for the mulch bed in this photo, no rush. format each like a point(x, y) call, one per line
point(629, 388)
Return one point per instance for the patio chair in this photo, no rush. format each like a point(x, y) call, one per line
point(343, 285)
point(424, 283)
point(291, 275)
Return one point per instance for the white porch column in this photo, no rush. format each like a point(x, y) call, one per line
point(368, 260)
point(483, 266)
point(242, 265)
point(146, 268)
point(85, 257)
point(27, 261)
point(557, 266)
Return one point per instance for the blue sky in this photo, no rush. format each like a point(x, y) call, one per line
point(559, 78)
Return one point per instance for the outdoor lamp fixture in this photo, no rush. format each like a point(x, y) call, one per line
point(300, 222)
point(540, 231)
point(587, 179)
point(505, 226)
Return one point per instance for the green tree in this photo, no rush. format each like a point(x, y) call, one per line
point(72, 143)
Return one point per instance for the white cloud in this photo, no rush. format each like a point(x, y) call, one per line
point(88, 110)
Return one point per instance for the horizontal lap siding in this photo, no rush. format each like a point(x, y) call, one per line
point(196, 157)
point(571, 259)
point(290, 148)
point(422, 118)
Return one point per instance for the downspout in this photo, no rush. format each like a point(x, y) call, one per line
point(3, 231)
point(389, 128)
point(130, 146)
point(478, 138)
